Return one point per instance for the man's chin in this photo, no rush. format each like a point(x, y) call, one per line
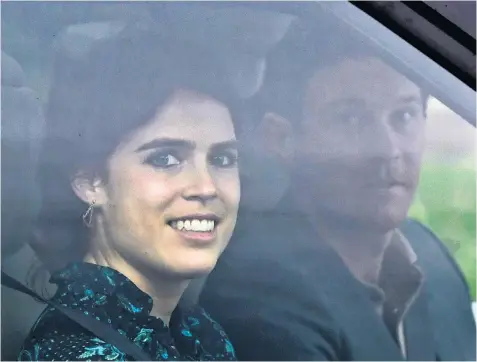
point(387, 220)
point(382, 220)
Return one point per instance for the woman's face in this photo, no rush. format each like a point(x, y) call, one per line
point(171, 199)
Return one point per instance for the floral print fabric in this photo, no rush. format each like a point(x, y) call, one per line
point(108, 296)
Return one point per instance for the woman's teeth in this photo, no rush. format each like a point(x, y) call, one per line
point(194, 225)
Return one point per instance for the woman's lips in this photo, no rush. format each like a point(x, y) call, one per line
point(197, 236)
point(201, 229)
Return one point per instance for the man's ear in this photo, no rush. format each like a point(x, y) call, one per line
point(90, 189)
point(276, 134)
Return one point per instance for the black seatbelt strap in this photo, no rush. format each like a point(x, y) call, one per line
point(98, 328)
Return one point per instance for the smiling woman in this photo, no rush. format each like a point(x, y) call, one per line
point(140, 142)
point(179, 166)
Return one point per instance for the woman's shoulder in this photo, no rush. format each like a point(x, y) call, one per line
point(208, 332)
point(195, 317)
point(56, 337)
point(70, 347)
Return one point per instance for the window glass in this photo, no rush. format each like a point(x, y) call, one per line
point(337, 127)
point(445, 199)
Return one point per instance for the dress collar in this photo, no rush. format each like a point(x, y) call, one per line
point(98, 283)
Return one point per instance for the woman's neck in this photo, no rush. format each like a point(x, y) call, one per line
point(165, 291)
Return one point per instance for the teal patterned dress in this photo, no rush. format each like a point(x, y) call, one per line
point(110, 297)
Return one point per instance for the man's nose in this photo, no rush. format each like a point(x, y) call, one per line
point(201, 186)
point(384, 143)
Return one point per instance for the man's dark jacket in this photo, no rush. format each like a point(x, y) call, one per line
point(281, 294)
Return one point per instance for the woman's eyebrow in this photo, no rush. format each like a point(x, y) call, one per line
point(225, 145)
point(166, 142)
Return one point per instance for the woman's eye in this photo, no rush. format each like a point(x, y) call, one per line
point(224, 161)
point(163, 160)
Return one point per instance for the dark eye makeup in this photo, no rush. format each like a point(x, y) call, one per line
point(163, 159)
point(223, 159)
point(170, 158)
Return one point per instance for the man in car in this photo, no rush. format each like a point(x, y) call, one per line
point(336, 271)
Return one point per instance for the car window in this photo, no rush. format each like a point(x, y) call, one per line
point(445, 198)
point(338, 121)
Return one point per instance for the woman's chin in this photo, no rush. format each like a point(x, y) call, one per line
point(194, 268)
point(199, 270)
point(191, 272)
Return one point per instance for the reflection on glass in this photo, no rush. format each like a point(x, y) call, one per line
point(144, 166)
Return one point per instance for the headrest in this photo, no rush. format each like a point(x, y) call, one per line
point(22, 130)
point(265, 180)
point(12, 73)
point(241, 37)
point(238, 38)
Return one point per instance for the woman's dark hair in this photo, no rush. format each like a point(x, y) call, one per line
point(96, 100)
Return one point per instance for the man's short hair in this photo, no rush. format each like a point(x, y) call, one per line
point(306, 49)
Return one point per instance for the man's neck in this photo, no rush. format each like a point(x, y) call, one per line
point(361, 248)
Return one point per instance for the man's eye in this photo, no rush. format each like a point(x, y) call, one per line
point(163, 160)
point(350, 118)
point(404, 116)
point(223, 161)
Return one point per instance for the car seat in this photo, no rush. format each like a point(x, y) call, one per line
point(22, 128)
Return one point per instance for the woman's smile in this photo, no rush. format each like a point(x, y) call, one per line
point(201, 229)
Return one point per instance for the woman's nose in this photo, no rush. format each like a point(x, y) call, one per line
point(201, 187)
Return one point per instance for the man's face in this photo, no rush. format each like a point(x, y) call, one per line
point(358, 152)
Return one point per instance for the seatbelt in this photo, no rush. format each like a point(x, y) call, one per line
point(98, 328)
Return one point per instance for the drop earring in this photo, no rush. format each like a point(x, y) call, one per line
point(88, 215)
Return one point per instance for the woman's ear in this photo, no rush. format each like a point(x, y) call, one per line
point(276, 134)
point(89, 189)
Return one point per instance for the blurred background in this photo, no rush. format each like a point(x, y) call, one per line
point(446, 198)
